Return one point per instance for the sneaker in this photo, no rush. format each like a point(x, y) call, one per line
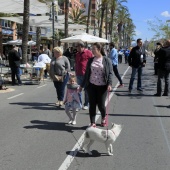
point(73, 122)
point(103, 122)
point(93, 125)
point(165, 94)
point(158, 95)
point(140, 90)
point(130, 91)
point(70, 122)
point(57, 103)
point(85, 107)
point(120, 85)
point(77, 110)
point(60, 103)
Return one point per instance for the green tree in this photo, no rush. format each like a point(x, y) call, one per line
point(76, 15)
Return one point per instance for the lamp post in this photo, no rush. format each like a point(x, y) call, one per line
point(53, 17)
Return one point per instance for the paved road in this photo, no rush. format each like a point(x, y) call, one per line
point(34, 134)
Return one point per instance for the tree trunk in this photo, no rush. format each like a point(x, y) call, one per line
point(88, 18)
point(106, 21)
point(1, 46)
point(38, 38)
point(101, 22)
point(66, 21)
point(25, 30)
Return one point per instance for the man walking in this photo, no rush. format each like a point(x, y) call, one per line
point(137, 60)
point(163, 69)
point(44, 58)
point(14, 63)
point(114, 59)
point(82, 57)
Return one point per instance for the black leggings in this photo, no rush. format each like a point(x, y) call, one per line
point(97, 97)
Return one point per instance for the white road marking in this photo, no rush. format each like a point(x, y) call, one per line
point(163, 129)
point(67, 162)
point(41, 86)
point(15, 96)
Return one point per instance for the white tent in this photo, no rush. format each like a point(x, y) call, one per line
point(36, 20)
point(85, 38)
point(19, 42)
point(17, 6)
point(43, 21)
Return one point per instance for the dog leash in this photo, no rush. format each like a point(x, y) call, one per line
point(107, 114)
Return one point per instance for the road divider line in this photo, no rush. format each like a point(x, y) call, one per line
point(67, 162)
point(162, 126)
point(15, 96)
point(41, 86)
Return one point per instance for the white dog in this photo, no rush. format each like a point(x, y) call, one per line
point(104, 136)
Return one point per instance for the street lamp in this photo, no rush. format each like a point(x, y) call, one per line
point(53, 17)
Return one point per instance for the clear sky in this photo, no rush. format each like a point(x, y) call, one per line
point(143, 10)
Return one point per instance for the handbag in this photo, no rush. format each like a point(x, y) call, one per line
point(59, 78)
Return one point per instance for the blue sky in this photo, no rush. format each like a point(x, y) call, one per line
point(143, 10)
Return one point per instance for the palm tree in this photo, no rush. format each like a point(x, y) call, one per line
point(76, 15)
point(89, 15)
point(113, 5)
point(66, 21)
point(38, 38)
point(25, 30)
point(122, 15)
point(103, 8)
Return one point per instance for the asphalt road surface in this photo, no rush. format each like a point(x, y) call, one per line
point(34, 134)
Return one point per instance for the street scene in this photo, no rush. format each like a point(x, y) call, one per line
point(84, 85)
point(35, 134)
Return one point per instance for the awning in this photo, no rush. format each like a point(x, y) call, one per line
point(17, 6)
point(43, 21)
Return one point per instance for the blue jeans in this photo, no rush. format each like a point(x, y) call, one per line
point(15, 71)
point(86, 98)
point(134, 71)
point(60, 87)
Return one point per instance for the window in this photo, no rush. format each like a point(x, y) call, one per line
point(93, 6)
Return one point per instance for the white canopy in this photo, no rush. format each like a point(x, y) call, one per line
point(17, 6)
point(43, 21)
point(36, 20)
point(85, 38)
point(19, 42)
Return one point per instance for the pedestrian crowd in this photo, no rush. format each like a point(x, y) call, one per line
point(94, 71)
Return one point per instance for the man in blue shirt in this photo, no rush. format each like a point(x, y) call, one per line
point(114, 59)
point(126, 53)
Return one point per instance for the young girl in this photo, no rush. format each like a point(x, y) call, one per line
point(72, 100)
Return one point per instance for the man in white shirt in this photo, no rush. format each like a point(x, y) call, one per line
point(44, 58)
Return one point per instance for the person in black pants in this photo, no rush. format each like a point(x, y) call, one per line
point(113, 55)
point(163, 69)
point(156, 52)
point(98, 81)
point(14, 63)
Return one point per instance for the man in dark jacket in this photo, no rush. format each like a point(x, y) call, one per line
point(163, 69)
point(14, 63)
point(137, 60)
point(156, 52)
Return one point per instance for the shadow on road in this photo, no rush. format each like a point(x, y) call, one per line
point(134, 115)
point(45, 125)
point(38, 106)
point(82, 154)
